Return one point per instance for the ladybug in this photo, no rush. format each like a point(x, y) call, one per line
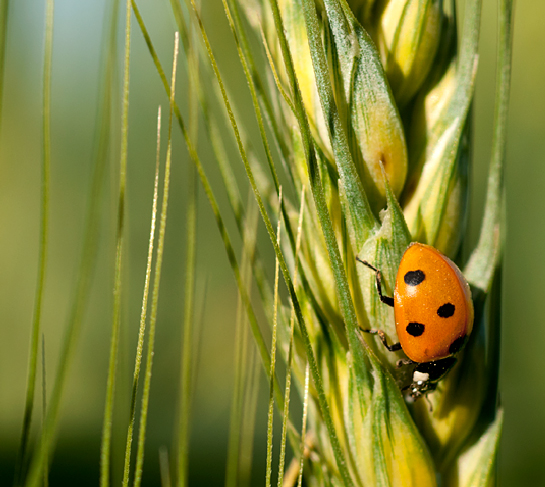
point(433, 313)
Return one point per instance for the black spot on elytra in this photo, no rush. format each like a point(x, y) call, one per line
point(446, 310)
point(414, 278)
point(415, 329)
point(457, 344)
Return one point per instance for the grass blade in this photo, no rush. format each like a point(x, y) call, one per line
point(143, 315)
point(274, 71)
point(156, 279)
point(249, 414)
point(191, 242)
point(273, 354)
point(290, 349)
point(304, 428)
point(116, 312)
point(164, 467)
point(484, 260)
point(4, 10)
point(44, 230)
point(484, 268)
point(44, 409)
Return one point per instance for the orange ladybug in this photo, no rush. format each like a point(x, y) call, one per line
point(433, 312)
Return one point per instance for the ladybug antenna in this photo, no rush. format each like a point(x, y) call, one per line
point(364, 262)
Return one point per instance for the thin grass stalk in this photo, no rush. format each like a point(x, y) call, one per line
point(44, 409)
point(240, 215)
point(274, 71)
point(242, 357)
point(88, 254)
point(270, 416)
point(183, 29)
point(156, 279)
point(143, 314)
point(164, 468)
point(198, 335)
point(191, 244)
point(193, 82)
point(238, 209)
point(236, 415)
point(252, 76)
point(4, 10)
point(310, 154)
point(304, 427)
point(249, 415)
point(285, 415)
point(116, 312)
point(44, 231)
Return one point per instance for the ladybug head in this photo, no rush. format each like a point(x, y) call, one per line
point(426, 375)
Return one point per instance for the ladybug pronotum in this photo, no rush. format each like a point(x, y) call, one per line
point(433, 313)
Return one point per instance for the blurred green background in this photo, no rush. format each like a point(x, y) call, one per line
point(75, 98)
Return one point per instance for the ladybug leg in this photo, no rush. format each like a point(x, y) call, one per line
point(404, 361)
point(392, 348)
point(385, 299)
point(430, 405)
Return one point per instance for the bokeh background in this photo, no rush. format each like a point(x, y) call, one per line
point(75, 98)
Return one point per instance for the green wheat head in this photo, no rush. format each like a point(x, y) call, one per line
point(371, 109)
